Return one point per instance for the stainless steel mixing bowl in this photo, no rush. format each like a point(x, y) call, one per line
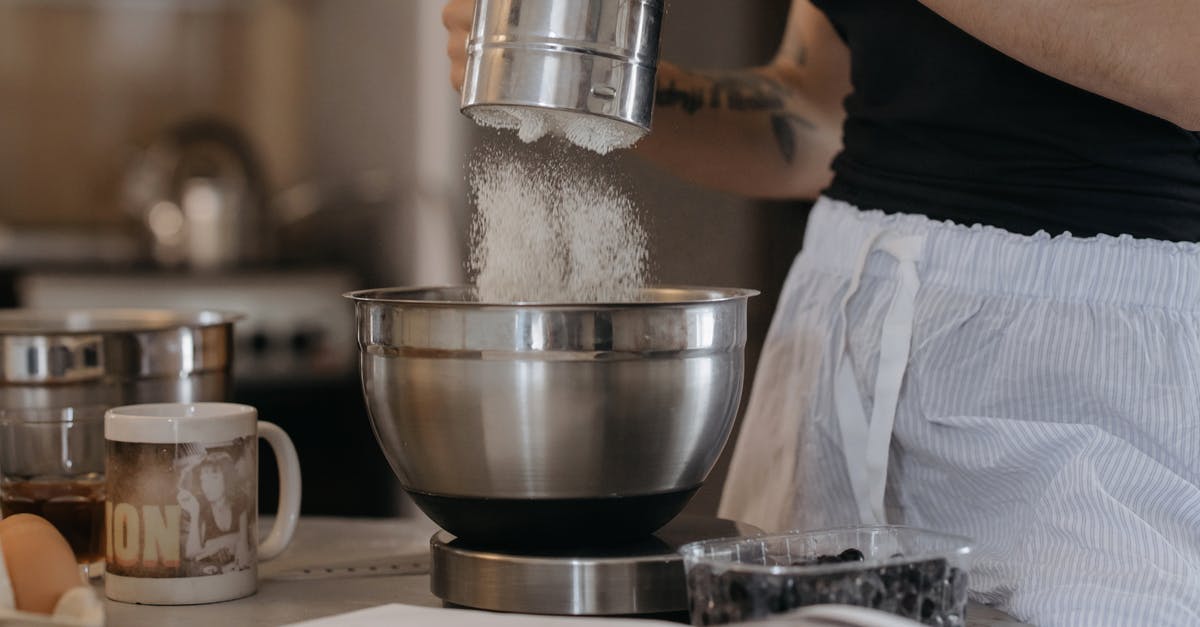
point(536, 423)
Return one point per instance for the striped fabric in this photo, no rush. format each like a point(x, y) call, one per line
point(1050, 409)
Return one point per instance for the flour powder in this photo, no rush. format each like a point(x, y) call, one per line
point(550, 230)
point(596, 133)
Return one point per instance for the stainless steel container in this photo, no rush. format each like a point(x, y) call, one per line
point(590, 56)
point(109, 357)
point(551, 422)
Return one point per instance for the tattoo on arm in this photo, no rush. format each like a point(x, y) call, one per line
point(690, 100)
point(743, 92)
point(740, 91)
point(783, 126)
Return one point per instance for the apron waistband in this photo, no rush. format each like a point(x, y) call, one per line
point(1103, 269)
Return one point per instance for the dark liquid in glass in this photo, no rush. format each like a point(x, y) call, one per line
point(74, 506)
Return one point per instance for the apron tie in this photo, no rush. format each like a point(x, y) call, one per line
point(865, 445)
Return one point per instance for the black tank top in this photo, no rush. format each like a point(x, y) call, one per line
point(941, 124)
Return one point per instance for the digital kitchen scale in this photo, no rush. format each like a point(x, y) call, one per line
point(641, 578)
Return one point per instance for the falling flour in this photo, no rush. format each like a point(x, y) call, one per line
point(598, 134)
point(551, 231)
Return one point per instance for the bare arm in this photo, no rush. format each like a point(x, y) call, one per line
point(1142, 53)
point(766, 132)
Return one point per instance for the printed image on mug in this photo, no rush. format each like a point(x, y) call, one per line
point(188, 513)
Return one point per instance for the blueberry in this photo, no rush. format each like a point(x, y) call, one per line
point(790, 593)
point(958, 587)
point(739, 592)
point(851, 555)
point(871, 590)
point(934, 570)
point(783, 596)
point(908, 605)
point(928, 607)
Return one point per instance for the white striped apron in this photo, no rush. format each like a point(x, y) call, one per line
point(1038, 394)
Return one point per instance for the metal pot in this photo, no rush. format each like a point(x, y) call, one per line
point(108, 357)
point(551, 422)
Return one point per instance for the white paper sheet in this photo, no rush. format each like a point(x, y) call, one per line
point(397, 614)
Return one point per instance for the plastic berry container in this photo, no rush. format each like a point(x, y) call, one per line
point(918, 574)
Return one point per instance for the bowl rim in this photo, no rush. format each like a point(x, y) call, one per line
point(690, 295)
point(694, 552)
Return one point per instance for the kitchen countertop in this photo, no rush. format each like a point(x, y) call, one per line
point(318, 543)
point(296, 586)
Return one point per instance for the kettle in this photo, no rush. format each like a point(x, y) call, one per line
point(200, 193)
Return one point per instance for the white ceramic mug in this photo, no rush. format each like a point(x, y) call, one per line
point(182, 489)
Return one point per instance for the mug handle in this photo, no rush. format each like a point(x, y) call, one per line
point(289, 491)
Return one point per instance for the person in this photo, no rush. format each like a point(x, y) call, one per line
point(217, 533)
point(993, 327)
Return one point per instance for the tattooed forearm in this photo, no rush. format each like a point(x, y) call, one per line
point(744, 92)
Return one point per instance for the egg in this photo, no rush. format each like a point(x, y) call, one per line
point(40, 563)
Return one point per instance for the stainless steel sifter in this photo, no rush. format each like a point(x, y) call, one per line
point(589, 56)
